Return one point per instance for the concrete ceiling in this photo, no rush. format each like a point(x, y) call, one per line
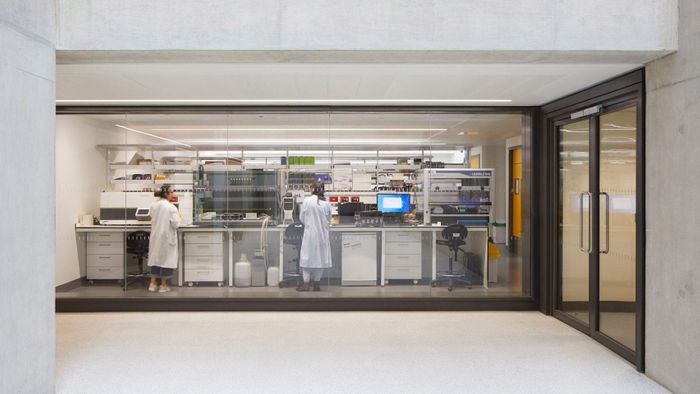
point(277, 83)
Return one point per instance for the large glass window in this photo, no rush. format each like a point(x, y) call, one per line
point(414, 204)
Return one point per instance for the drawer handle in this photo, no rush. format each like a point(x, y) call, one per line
point(105, 244)
point(203, 246)
point(103, 269)
point(104, 257)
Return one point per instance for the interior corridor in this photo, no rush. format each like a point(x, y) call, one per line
point(353, 352)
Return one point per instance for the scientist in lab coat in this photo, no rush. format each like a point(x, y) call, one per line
point(315, 254)
point(162, 246)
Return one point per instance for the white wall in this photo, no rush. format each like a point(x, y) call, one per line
point(672, 211)
point(80, 177)
point(525, 30)
point(81, 170)
point(27, 93)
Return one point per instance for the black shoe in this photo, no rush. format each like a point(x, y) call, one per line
point(303, 287)
point(317, 286)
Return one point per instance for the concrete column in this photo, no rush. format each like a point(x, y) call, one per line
point(27, 231)
point(673, 211)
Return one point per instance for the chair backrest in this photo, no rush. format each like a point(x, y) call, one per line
point(137, 242)
point(454, 234)
point(294, 233)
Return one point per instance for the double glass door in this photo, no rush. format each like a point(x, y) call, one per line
point(598, 289)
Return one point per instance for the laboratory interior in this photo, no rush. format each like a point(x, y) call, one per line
point(423, 203)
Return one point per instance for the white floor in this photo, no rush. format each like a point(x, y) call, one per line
point(350, 352)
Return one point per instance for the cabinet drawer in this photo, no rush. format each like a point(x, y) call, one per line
point(204, 250)
point(105, 272)
point(203, 262)
point(105, 237)
point(402, 273)
point(204, 238)
point(402, 260)
point(403, 236)
point(103, 248)
point(105, 260)
point(210, 275)
point(402, 248)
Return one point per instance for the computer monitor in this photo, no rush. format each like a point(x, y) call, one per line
point(394, 203)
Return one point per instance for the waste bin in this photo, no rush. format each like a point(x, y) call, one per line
point(498, 229)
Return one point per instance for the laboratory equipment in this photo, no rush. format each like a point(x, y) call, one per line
point(119, 208)
point(394, 202)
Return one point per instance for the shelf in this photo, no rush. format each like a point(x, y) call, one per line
point(459, 214)
point(173, 182)
point(176, 167)
point(143, 167)
point(222, 168)
point(132, 182)
point(461, 203)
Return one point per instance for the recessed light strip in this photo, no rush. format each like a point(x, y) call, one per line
point(297, 129)
point(277, 101)
point(152, 135)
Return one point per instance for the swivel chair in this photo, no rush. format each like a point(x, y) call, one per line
point(293, 235)
point(453, 237)
point(137, 244)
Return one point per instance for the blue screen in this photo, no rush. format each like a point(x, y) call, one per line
point(394, 203)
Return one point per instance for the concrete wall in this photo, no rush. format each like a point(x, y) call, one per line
point(673, 187)
point(27, 93)
point(525, 30)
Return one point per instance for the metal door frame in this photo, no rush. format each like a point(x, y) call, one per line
point(612, 95)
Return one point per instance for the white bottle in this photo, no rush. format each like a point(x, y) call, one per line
point(242, 272)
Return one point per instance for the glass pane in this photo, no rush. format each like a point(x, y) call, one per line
point(574, 171)
point(618, 161)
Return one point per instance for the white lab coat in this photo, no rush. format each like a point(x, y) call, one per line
point(316, 244)
point(162, 247)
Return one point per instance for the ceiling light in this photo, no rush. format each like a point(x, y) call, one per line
point(460, 133)
point(152, 135)
point(472, 133)
point(277, 101)
point(297, 142)
point(296, 129)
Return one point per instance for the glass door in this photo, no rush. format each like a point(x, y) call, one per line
point(598, 289)
point(617, 236)
point(574, 220)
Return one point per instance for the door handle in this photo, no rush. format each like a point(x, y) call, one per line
point(580, 225)
point(607, 223)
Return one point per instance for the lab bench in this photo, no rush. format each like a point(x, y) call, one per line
point(208, 254)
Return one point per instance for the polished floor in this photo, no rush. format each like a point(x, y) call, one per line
point(335, 352)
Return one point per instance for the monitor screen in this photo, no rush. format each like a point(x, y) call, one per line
point(394, 203)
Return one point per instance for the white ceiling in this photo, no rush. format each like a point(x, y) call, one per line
point(523, 84)
point(355, 129)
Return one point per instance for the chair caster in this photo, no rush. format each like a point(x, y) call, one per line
point(450, 288)
point(91, 282)
point(220, 284)
point(433, 284)
point(190, 284)
point(415, 282)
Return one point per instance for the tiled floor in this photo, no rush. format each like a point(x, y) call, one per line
point(351, 352)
